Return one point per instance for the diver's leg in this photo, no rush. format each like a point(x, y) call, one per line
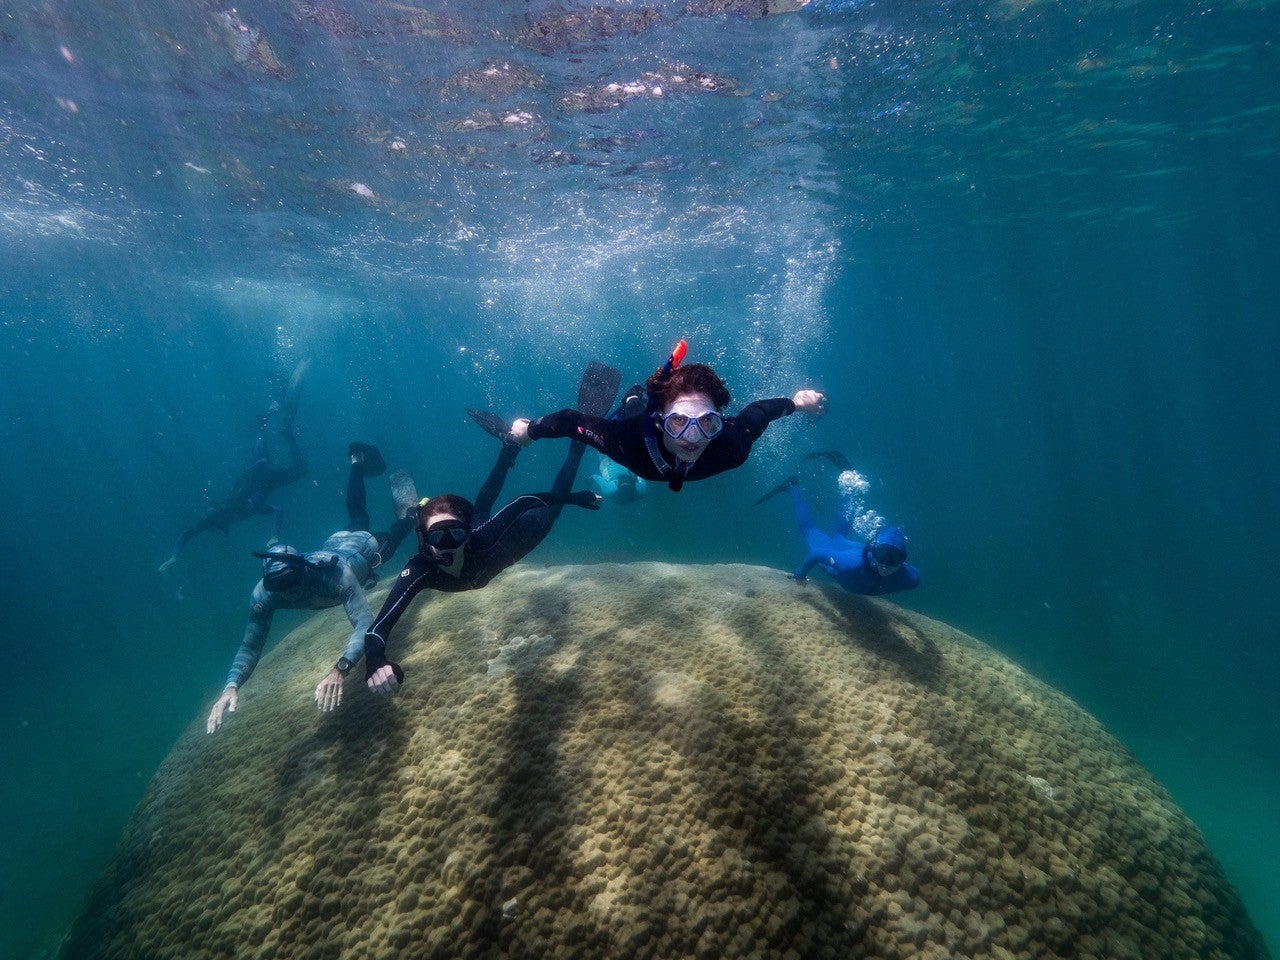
point(296, 469)
point(488, 494)
point(532, 527)
point(814, 537)
point(210, 521)
point(389, 541)
point(357, 499)
point(804, 513)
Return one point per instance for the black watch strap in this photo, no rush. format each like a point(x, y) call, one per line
point(344, 665)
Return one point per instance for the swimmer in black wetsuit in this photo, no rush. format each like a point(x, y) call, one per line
point(248, 497)
point(683, 433)
point(462, 548)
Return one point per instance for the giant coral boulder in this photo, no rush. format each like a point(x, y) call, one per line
point(651, 760)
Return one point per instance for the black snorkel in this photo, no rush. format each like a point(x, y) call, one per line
point(291, 562)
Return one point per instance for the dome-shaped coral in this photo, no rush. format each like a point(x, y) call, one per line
point(651, 760)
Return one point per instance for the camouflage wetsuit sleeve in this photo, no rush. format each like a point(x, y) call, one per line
point(356, 604)
point(262, 608)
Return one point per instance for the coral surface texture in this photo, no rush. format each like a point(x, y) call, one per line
point(654, 760)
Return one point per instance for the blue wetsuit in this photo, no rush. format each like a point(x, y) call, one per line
point(848, 562)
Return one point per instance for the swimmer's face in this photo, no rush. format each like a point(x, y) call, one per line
point(448, 552)
point(693, 405)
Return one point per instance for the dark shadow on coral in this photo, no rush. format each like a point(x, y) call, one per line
point(527, 808)
point(879, 630)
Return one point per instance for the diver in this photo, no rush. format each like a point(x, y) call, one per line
point(681, 433)
point(248, 497)
point(338, 573)
point(461, 547)
point(874, 567)
point(616, 483)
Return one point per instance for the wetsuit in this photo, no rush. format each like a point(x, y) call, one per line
point(338, 573)
point(849, 562)
point(495, 543)
point(248, 498)
point(616, 483)
point(636, 442)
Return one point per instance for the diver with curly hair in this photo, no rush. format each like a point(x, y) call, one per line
point(681, 433)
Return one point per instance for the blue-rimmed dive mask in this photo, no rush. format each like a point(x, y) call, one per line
point(706, 425)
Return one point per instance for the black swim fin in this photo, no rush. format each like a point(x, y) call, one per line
point(835, 457)
point(490, 423)
point(370, 463)
point(783, 487)
point(597, 389)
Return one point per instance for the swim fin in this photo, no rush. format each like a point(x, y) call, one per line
point(835, 457)
point(783, 487)
point(292, 394)
point(370, 463)
point(598, 387)
point(404, 493)
point(490, 423)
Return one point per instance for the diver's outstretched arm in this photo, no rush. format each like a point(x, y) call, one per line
point(381, 674)
point(802, 571)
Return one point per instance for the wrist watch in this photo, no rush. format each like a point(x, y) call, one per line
point(344, 665)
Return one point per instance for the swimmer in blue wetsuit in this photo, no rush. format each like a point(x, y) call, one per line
point(875, 567)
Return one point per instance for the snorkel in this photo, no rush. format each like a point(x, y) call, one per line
point(286, 573)
point(676, 358)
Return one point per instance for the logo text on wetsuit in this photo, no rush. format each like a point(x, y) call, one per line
point(590, 435)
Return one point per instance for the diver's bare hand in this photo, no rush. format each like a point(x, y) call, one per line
point(226, 703)
point(329, 691)
point(520, 432)
point(810, 401)
point(384, 680)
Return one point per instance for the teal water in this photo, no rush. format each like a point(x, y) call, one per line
point(1029, 250)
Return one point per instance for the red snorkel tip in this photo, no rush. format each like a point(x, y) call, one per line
point(677, 355)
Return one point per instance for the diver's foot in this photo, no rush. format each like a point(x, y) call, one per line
point(404, 493)
point(783, 487)
point(367, 458)
point(587, 499)
point(492, 424)
point(272, 541)
point(632, 403)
